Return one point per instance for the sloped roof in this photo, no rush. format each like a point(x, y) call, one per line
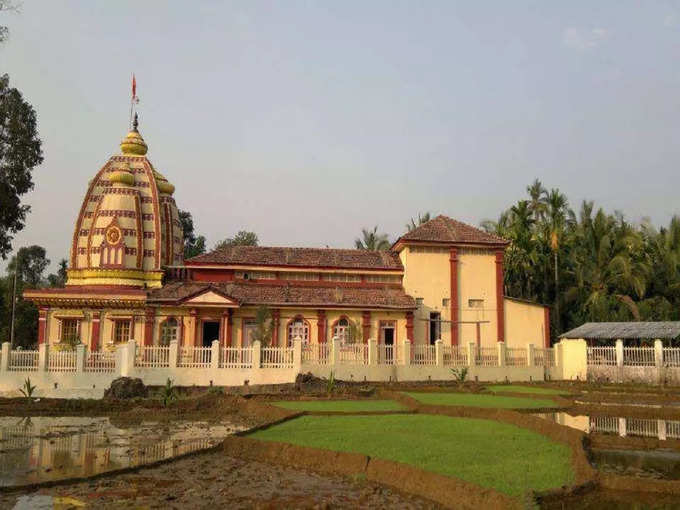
point(615, 330)
point(443, 229)
point(251, 293)
point(300, 257)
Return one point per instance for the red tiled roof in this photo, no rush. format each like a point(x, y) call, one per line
point(443, 229)
point(300, 257)
point(289, 295)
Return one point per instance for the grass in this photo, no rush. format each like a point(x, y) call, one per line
point(480, 400)
point(516, 388)
point(347, 406)
point(485, 452)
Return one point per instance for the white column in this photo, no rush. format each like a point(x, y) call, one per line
point(501, 354)
point(43, 353)
point(439, 352)
point(622, 427)
point(80, 358)
point(297, 354)
point(215, 355)
point(174, 354)
point(619, 353)
point(531, 355)
point(407, 352)
point(372, 351)
point(661, 426)
point(4, 357)
point(472, 354)
point(257, 353)
point(335, 351)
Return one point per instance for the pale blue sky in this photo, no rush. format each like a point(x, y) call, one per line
point(305, 121)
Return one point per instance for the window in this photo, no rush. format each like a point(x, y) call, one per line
point(419, 301)
point(476, 303)
point(300, 276)
point(255, 275)
point(341, 277)
point(435, 327)
point(446, 302)
point(69, 331)
point(169, 331)
point(249, 328)
point(298, 327)
point(383, 278)
point(343, 330)
point(121, 331)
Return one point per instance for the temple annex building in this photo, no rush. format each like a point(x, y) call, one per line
point(127, 280)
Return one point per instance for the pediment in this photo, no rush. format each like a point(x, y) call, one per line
point(211, 298)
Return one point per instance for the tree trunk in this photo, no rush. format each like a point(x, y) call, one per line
point(557, 297)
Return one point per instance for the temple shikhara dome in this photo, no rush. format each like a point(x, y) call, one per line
point(128, 227)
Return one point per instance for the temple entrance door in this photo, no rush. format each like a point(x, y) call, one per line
point(211, 331)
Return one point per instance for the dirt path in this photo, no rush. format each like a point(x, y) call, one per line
point(213, 480)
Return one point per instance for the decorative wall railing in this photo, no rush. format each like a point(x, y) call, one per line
point(276, 357)
point(100, 362)
point(194, 357)
point(455, 356)
point(152, 356)
point(423, 354)
point(61, 361)
point(639, 364)
point(236, 357)
point(317, 354)
point(23, 361)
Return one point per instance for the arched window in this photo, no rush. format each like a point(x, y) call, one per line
point(343, 330)
point(298, 327)
point(169, 331)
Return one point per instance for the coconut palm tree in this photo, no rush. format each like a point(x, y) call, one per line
point(372, 241)
point(413, 224)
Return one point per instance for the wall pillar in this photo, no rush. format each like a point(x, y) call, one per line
point(43, 353)
point(80, 357)
point(297, 354)
point(4, 357)
point(531, 355)
point(409, 326)
point(321, 326)
point(472, 354)
point(500, 303)
point(502, 351)
point(335, 351)
point(149, 316)
point(372, 351)
point(439, 352)
point(619, 352)
point(42, 325)
point(215, 355)
point(453, 261)
point(658, 360)
point(276, 314)
point(174, 354)
point(366, 326)
point(257, 354)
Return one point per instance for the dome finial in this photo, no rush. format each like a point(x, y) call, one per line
point(135, 123)
point(133, 143)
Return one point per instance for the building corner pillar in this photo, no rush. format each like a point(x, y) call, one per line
point(149, 317)
point(409, 326)
point(453, 299)
point(42, 325)
point(366, 326)
point(500, 303)
point(96, 328)
point(276, 315)
point(321, 326)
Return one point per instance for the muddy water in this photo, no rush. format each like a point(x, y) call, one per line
point(53, 448)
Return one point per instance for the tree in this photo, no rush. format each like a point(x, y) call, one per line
point(193, 244)
point(413, 224)
point(242, 238)
point(31, 262)
point(6, 5)
point(264, 326)
point(20, 153)
point(58, 279)
point(372, 241)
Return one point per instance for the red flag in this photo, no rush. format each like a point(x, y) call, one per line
point(134, 86)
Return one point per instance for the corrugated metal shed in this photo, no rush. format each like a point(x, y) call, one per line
point(614, 330)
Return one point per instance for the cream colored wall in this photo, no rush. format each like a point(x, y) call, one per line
point(524, 324)
point(477, 280)
point(428, 276)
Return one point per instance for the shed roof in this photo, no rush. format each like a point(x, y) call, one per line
point(615, 330)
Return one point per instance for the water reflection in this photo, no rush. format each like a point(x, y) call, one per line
point(636, 427)
point(51, 448)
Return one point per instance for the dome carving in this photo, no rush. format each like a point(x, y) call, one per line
point(128, 227)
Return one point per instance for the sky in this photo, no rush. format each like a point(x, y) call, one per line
point(305, 121)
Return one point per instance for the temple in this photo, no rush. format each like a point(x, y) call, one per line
point(127, 280)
